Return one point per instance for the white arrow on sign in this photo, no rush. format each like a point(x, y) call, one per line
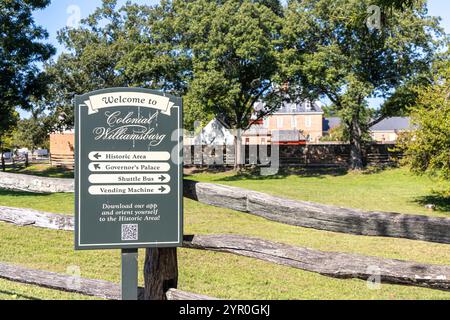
point(129, 167)
point(129, 178)
point(129, 156)
point(129, 189)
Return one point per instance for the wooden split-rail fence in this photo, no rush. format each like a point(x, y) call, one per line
point(62, 160)
point(160, 269)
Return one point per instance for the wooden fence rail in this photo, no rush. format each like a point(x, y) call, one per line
point(292, 212)
point(89, 287)
point(332, 264)
point(320, 216)
point(338, 265)
point(23, 182)
point(62, 160)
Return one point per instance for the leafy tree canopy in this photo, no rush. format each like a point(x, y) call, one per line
point(225, 55)
point(221, 55)
point(33, 133)
point(427, 147)
point(21, 49)
point(235, 47)
point(331, 52)
point(115, 47)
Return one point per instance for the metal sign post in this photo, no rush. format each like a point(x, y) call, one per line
point(129, 274)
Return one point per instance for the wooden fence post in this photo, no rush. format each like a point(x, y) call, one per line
point(160, 272)
point(3, 161)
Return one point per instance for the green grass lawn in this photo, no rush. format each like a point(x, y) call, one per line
point(15, 291)
point(225, 275)
point(43, 170)
point(57, 202)
point(228, 276)
point(391, 190)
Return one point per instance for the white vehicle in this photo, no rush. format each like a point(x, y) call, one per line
point(7, 155)
point(40, 154)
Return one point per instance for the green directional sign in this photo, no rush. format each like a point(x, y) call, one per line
point(128, 169)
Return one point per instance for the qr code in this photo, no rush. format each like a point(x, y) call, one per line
point(129, 232)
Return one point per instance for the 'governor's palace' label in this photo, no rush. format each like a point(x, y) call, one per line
point(128, 169)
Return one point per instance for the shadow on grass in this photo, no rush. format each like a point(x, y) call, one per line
point(306, 172)
point(48, 172)
point(55, 172)
point(18, 295)
point(255, 174)
point(13, 193)
point(213, 169)
point(375, 169)
point(441, 201)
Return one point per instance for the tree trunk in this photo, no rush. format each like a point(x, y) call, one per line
point(160, 272)
point(2, 156)
point(356, 144)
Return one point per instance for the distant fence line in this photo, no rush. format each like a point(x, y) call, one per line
point(337, 155)
point(309, 155)
point(62, 160)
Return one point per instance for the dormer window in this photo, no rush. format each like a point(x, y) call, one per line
point(308, 105)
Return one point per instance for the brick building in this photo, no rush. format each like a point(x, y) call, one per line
point(386, 131)
point(293, 123)
point(62, 149)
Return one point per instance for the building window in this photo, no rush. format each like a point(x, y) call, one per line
point(294, 123)
point(308, 122)
point(308, 105)
point(280, 123)
point(266, 122)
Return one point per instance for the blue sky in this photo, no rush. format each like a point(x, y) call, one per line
point(60, 13)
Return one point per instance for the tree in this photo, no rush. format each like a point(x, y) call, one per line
point(336, 134)
point(222, 56)
point(20, 51)
point(398, 4)
point(348, 63)
point(234, 48)
point(427, 147)
point(7, 123)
